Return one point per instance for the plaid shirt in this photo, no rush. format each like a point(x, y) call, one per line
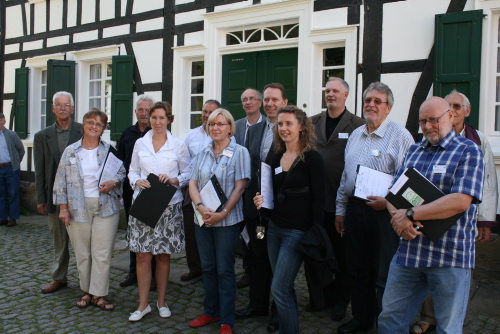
point(464, 174)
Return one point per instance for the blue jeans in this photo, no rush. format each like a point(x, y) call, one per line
point(285, 263)
point(406, 290)
point(217, 247)
point(9, 184)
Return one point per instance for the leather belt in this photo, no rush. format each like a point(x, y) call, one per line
point(6, 164)
point(357, 201)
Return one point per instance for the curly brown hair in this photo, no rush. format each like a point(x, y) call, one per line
point(307, 137)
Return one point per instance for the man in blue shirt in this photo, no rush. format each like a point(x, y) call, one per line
point(455, 165)
point(11, 154)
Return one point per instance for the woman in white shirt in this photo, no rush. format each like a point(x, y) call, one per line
point(89, 209)
point(160, 153)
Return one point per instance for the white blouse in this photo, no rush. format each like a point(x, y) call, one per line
point(172, 159)
point(90, 166)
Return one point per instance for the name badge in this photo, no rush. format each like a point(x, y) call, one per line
point(227, 153)
point(278, 170)
point(343, 135)
point(376, 153)
point(72, 161)
point(439, 169)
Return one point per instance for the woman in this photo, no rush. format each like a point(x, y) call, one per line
point(216, 240)
point(89, 210)
point(160, 153)
point(298, 182)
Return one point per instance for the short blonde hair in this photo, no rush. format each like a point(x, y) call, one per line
point(227, 115)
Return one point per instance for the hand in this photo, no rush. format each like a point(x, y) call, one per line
point(164, 178)
point(106, 187)
point(258, 200)
point(410, 232)
point(212, 217)
point(400, 222)
point(143, 184)
point(65, 216)
point(42, 209)
point(483, 233)
point(339, 224)
point(377, 203)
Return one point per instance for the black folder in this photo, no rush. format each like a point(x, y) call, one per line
point(220, 192)
point(111, 150)
point(150, 204)
point(428, 192)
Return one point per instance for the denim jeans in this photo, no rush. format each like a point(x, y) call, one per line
point(407, 288)
point(217, 247)
point(9, 185)
point(285, 263)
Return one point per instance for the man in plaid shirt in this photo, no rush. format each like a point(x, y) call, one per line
point(455, 165)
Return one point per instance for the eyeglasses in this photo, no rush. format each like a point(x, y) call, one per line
point(60, 106)
point(433, 121)
point(457, 106)
point(218, 124)
point(377, 102)
point(251, 98)
point(92, 124)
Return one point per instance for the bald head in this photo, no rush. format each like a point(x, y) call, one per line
point(435, 119)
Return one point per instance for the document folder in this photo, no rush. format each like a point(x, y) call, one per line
point(220, 192)
point(413, 189)
point(150, 204)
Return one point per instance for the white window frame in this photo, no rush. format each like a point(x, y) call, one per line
point(102, 94)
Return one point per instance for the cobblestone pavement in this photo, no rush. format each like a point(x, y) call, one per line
point(25, 266)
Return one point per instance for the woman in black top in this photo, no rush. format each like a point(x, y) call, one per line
point(299, 199)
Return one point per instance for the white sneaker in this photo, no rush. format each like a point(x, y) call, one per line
point(137, 315)
point(164, 311)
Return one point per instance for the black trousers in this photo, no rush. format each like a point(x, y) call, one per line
point(192, 255)
point(371, 244)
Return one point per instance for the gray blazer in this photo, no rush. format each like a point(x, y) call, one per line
point(241, 126)
point(332, 149)
point(46, 154)
point(16, 148)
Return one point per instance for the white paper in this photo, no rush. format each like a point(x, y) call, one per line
point(266, 185)
point(198, 219)
point(399, 183)
point(209, 196)
point(245, 236)
point(343, 135)
point(109, 169)
point(371, 182)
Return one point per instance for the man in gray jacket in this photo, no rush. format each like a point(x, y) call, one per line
point(11, 154)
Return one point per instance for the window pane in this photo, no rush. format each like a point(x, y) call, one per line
point(43, 121)
point(327, 74)
point(95, 103)
point(498, 89)
point(292, 33)
point(497, 118)
point(196, 103)
point(44, 77)
point(95, 71)
point(334, 57)
point(196, 120)
point(95, 88)
point(252, 36)
point(109, 69)
point(108, 88)
point(197, 86)
point(43, 107)
point(44, 92)
point(197, 68)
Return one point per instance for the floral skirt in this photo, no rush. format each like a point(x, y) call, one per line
point(166, 238)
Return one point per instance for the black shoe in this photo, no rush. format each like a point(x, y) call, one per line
point(338, 313)
point(11, 223)
point(4, 222)
point(130, 279)
point(353, 326)
point(189, 275)
point(273, 325)
point(244, 281)
point(248, 312)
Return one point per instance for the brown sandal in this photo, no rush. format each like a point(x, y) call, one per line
point(101, 303)
point(422, 327)
point(85, 300)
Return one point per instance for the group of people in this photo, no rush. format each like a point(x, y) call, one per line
point(385, 266)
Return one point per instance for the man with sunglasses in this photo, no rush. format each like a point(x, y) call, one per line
point(381, 145)
point(455, 165)
point(49, 145)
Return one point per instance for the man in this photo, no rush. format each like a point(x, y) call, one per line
point(259, 144)
point(125, 149)
point(443, 268)
point(371, 243)
point(251, 101)
point(487, 210)
point(333, 128)
point(196, 140)
point(11, 154)
point(49, 145)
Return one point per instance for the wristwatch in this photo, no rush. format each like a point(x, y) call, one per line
point(197, 205)
point(409, 214)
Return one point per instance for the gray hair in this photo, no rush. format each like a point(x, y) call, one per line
point(466, 99)
point(63, 93)
point(344, 84)
point(259, 94)
point(144, 97)
point(381, 88)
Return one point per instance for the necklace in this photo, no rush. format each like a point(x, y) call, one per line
point(90, 148)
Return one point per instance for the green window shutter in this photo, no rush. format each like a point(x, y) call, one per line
point(21, 102)
point(60, 77)
point(457, 62)
point(122, 94)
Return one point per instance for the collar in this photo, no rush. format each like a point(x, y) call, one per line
point(381, 130)
point(445, 143)
point(60, 129)
point(136, 127)
point(258, 121)
point(148, 140)
point(338, 117)
point(269, 123)
point(228, 151)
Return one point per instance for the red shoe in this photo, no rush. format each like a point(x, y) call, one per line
point(225, 329)
point(202, 320)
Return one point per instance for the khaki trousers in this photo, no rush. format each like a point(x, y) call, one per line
point(93, 243)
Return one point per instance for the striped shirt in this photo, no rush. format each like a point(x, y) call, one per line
point(464, 174)
point(233, 165)
point(382, 150)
